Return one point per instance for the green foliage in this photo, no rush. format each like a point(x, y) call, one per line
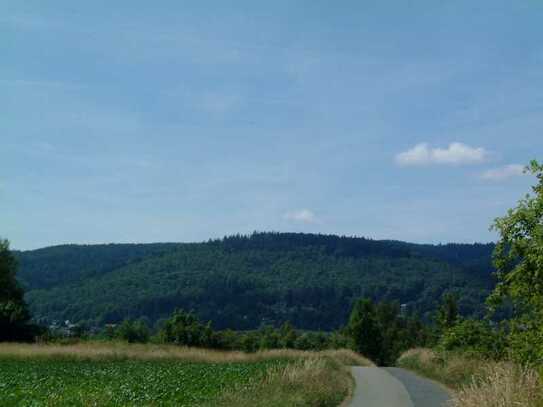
point(381, 333)
point(364, 329)
point(244, 282)
point(518, 258)
point(526, 340)
point(120, 383)
point(447, 314)
point(14, 315)
point(133, 331)
point(475, 336)
point(184, 328)
point(59, 265)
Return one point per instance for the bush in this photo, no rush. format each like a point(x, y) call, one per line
point(133, 331)
point(476, 337)
point(184, 328)
point(526, 342)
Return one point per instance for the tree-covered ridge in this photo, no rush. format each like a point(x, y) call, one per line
point(242, 282)
point(57, 265)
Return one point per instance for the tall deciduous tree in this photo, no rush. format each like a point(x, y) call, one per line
point(14, 315)
point(364, 329)
point(518, 258)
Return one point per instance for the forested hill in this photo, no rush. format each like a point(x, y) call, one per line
point(242, 282)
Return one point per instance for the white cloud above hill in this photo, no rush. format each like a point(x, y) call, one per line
point(454, 154)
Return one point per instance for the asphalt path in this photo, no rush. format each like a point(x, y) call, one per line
point(395, 387)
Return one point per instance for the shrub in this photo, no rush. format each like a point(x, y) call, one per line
point(475, 337)
point(184, 328)
point(133, 331)
point(526, 342)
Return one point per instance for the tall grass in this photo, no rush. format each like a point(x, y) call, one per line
point(478, 382)
point(123, 350)
point(501, 385)
point(452, 369)
point(318, 380)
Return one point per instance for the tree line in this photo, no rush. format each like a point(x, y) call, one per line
point(381, 331)
point(244, 282)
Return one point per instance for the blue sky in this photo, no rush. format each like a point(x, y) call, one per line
point(138, 121)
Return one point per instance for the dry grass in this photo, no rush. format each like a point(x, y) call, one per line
point(453, 369)
point(424, 355)
point(121, 350)
point(501, 385)
point(478, 382)
point(318, 380)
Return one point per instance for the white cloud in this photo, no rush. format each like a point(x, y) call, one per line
point(503, 173)
point(302, 216)
point(454, 154)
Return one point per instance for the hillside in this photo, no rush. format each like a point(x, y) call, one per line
point(242, 282)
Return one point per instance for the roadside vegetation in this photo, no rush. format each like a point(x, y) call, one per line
point(497, 362)
point(476, 381)
point(316, 381)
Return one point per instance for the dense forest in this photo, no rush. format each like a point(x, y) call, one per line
point(245, 282)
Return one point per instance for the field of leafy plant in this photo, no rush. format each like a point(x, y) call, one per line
point(57, 382)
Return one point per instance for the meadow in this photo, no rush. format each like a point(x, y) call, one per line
point(118, 374)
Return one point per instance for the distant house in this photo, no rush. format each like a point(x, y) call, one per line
point(66, 328)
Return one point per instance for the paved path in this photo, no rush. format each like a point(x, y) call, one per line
point(395, 387)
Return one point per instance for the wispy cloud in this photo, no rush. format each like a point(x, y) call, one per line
point(503, 173)
point(219, 103)
point(302, 216)
point(454, 154)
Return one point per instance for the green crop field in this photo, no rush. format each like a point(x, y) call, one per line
point(49, 382)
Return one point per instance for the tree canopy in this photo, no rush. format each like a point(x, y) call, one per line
point(244, 282)
point(518, 259)
point(14, 316)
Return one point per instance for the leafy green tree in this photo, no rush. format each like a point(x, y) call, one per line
point(304, 342)
point(288, 335)
point(14, 315)
point(269, 338)
point(364, 328)
point(447, 313)
point(249, 342)
point(184, 328)
point(381, 332)
point(338, 340)
point(518, 259)
point(133, 331)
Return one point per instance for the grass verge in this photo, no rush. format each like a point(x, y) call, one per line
point(314, 381)
point(477, 382)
